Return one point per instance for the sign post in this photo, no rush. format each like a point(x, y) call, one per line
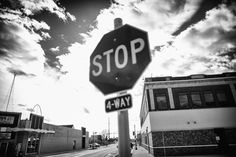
point(123, 120)
point(115, 66)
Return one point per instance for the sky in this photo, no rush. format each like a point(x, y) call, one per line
point(48, 44)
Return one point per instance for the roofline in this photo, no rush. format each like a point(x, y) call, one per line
point(189, 77)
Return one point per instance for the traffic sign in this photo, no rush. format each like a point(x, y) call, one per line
point(119, 59)
point(118, 103)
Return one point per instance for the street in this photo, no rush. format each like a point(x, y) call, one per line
point(103, 151)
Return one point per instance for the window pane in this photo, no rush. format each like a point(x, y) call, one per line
point(196, 99)
point(161, 102)
point(183, 100)
point(209, 99)
point(221, 96)
point(208, 96)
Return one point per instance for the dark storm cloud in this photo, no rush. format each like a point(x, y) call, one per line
point(30, 7)
point(11, 43)
point(199, 15)
point(225, 38)
point(230, 54)
point(11, 4)
point(63, 34)
point(14, 15)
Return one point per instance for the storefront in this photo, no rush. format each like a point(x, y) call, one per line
point(33, 137)
point(28, 140)
point(8, 120)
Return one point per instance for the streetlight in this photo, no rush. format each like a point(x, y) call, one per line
point(12, 85)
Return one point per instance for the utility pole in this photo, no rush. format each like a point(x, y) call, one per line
point(8, 101)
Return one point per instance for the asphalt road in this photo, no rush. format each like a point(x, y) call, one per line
point(104, 151)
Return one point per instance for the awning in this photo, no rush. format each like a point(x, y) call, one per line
point(42, 131)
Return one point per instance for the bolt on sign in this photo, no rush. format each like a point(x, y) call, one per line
point(119, 59)
point(118, 103)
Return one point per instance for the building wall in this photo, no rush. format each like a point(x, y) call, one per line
point(174, 130)
point(193, 119)
point(62, 140)
point(192, 142)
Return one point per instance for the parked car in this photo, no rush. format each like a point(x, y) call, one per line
point(94, 145)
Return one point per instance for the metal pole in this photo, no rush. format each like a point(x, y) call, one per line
point(8, 101)
point(123, 119)
point(123, 134)
point(93, 140)
point(135, 138)
point(108, 127)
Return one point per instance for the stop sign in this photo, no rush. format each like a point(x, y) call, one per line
point(119, 59)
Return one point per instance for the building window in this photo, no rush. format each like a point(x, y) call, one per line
point(33, 143)
point(183, 100)
point(196, 100)
point(203, 96)
point(209, 99)
point(221, 96)
point(161, 100)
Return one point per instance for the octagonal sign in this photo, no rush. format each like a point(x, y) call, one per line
point(119, 59)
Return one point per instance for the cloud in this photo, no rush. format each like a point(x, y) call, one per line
point(86, 110)
point(184, 54)
point(71, 17)
point(18, 72)
point(17, 16)
point(30, 109)
point(206, 47)
point(54, 49)
point(19, 29)
point(159, 18)
point(15, 55)
point(21, 105)
point(31, 7)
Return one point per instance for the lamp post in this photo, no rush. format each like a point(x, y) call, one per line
point(12, 85)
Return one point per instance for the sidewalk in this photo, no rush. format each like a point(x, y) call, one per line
point(141, 152)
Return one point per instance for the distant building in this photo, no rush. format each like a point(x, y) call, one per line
point(96, 139)
point(32, 137)
point(189, 115)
